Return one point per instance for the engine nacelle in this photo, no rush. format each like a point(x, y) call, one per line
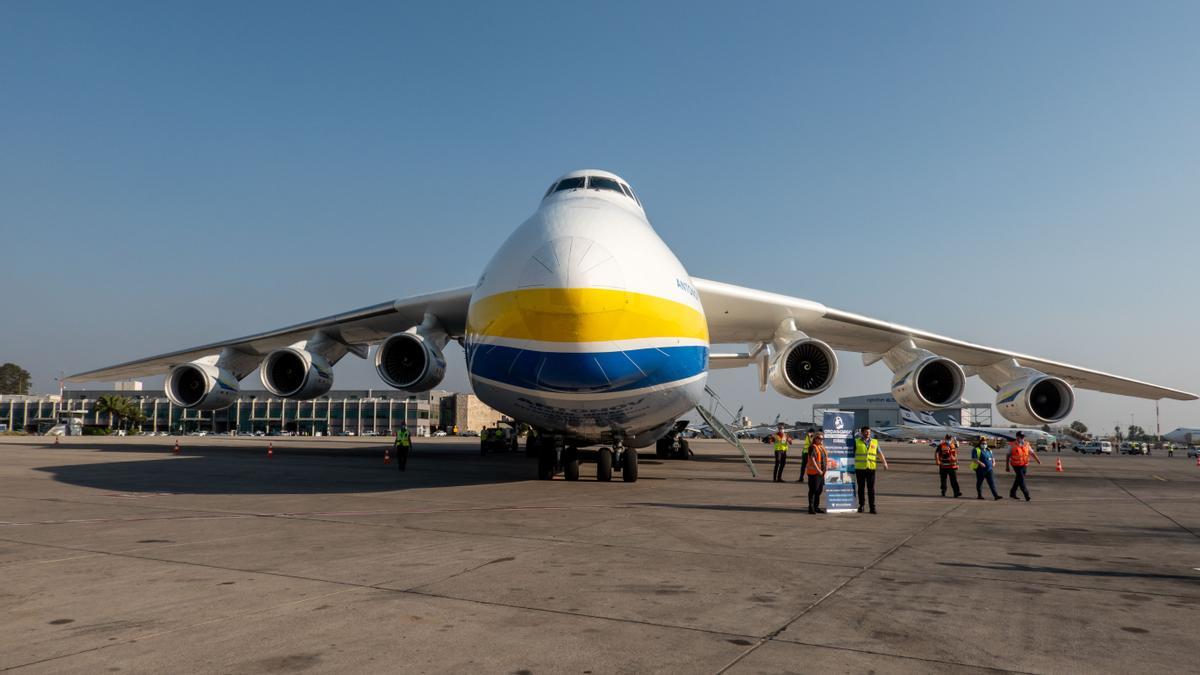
point(1035, 399)
point(201, 386)
point(805, 367)
point(410, 362)
point(928, 382)
point(296, 373)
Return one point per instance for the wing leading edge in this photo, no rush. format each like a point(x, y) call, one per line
point(739, 314)
point(364, 326)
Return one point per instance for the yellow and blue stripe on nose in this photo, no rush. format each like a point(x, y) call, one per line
point(584, 340)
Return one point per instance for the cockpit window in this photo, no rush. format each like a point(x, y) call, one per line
point(550, 189)
point(600, 183)
point(569, 184)
point(629, 191)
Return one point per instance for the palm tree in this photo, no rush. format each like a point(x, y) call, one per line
point(113, 406)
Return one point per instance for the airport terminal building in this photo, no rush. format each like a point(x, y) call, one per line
point(882, 410)
point(340, 412)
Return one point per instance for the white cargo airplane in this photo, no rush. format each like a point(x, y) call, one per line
point(917, 425)
point(1185, 435)
point(586, 326)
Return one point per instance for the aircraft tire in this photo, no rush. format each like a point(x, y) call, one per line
point(571, 464)
point(546, 463)
point(604, 465)
point(662, 449)
point(685, 450)
point(629, 465)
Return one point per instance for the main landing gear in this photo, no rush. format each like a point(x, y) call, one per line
point(555, 455)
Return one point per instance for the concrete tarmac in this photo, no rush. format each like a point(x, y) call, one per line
point(118, 556)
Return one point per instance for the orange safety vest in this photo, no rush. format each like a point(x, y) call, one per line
point(1019, 454)
point(947, 456)
point(816, 460)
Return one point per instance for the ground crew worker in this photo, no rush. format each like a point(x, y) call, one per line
point(814, 466)
point(946, 458)
point(1170, 449)
point(808, 441)
point(983, 463)
point(403, 445)
point(866, 453)
point(782, 442)
point(1017, 461)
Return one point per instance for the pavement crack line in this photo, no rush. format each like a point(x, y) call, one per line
point(775, 633)
point(1141, 501)
point(347, 586)
point(922, 659)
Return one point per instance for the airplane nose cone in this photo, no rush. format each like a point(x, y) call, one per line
point(572, 262)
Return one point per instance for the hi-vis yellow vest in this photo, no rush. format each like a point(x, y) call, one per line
point(402, 438)
point(781, 444)
point(864, 454)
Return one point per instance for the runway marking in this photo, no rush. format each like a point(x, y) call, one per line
point(1161, 478)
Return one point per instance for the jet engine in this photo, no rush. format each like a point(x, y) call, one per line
point(201, 387)
point(296, 373)
point(927, 382)
point(805, 367)
point(410, 362)
point(1035, 399)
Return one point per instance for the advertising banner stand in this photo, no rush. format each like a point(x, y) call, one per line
point(839, 472)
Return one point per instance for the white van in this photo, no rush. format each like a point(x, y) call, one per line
point(1096, 448)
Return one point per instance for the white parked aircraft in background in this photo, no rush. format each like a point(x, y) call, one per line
point(1185, 435)
point(917, 425)
point(586, 326)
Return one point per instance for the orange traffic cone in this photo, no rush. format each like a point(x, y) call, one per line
point(176, 446)
point(271, 449)
point(1197, 460)
point(387, 456)
point(1058, 466)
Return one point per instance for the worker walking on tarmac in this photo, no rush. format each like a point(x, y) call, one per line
point(814, 466)
point(947, 461)
point(866, 454)
point(808, 441)
point(403, 445)
point(1017, 461)
point(782, 442)
point(983, 464)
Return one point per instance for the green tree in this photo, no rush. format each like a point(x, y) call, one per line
point(1079, 427)
point(1136, 432)
point(14, 379)
point(111, 406)
point(119, 409)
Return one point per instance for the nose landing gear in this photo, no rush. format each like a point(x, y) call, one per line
point(554, 455)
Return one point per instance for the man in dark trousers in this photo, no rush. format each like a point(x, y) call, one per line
point(403, 445)
point(782, 441)
point(982, 462)
point(1017, 461)
point(947, 461)
point(814, 467)
point(866, 455)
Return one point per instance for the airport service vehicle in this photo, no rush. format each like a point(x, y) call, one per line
point(1193, 452)
point(585, 326)
point(497, 439)
point(439, 434)
point(1095, 448)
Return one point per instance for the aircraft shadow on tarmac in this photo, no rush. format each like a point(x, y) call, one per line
point(1018, 567)
point(224, 470)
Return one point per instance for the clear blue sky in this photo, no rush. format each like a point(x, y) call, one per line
point(1015, 173)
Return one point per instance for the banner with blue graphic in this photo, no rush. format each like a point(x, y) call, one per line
point(839, 473)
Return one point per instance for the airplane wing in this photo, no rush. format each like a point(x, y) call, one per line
point(360, 327)
point(739, 314)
